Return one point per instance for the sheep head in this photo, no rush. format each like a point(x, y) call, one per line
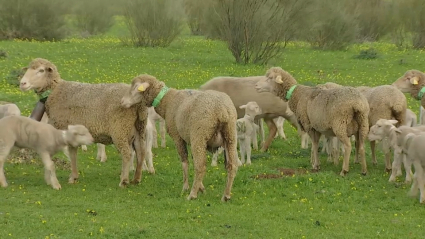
point(381, 129)
point(77, 135)
point(277, 81)
point(411, 82)
point(252, 109)
point(144, 88)
point(39, 76)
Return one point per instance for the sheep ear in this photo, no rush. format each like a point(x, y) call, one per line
point(49, 69)
point(242, 107)
point(414, 80)
point(393, 121)
point(143, 86)
point(278, 79)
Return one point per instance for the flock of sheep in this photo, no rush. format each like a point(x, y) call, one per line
point(224, 112)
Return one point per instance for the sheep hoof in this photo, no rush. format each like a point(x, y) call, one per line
point(190, 197)
point(84, 148)
point(72, 180)
point(123, 183)
point(4, 184)
point(225, 198)
point(151, 171)
point(213, 164)
point(364, 173)
point(57, 187)
point(135, 181)
point(392, 179)
point(343, 173)
point(413, 193)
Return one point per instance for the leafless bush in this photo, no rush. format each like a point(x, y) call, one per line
point(94, 16)
point(255, 30)
point(195, 11)
point(153, 22)
point(415, 20)
point(27, 19)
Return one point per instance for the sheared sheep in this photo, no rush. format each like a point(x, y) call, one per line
point(241, 90)
point(96, 106)
point(246, 128)
point(386, 129)
point(9, 109)
point(339, 112)
point(413, 146)
point(24, 132)
point(154, 117)
point(204, 119)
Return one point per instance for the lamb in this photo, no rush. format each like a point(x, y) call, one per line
point(96, 106)
point(24, 132)
point(9, 109)
point(204, 119)
point(245, 129)
point(241, 90)
point(386, 129)
point(153, 116)
point(413, 147)
point(346, 112)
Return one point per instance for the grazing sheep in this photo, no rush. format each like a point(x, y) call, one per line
point(387, 129)
point(339, 112)
point(245, 129)
point(413, 146)
point(96, 106)
point(9, 109)
point(204, 119)
point(411, 118)
point(24, 132)
point(153, 116)
point(241, 90)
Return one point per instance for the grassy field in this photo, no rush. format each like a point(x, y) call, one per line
point(311, 205)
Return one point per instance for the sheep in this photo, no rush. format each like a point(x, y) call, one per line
point(96, 106)
point(386, 129)
point(153, 116)
point(411, 118)
point(381, 107)
point(24, 132)
point(241, 90)
point(245, 129)
point(204, 119)
point(413, 147)
point(9, 109)
point(339, 112)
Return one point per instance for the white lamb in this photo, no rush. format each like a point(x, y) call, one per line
point(9, 109)
point(24, 132)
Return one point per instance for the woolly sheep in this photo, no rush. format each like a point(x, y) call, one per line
point(9, 109)
point(415, 151)
point(96, 106)
point(24, 132)
point(245, 129)
point(241, 90)
point(386, 129)
point(344, 113)
point(204, 119)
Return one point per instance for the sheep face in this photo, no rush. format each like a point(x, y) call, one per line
point(135, 95)
point(144, 88)
point(265, 85)
point(37, 75)
point(412, 79)
point(77, 135)
point(381, 129)
point(251, 108)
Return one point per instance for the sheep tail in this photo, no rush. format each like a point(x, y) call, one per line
point(399, 113)
point(361, 117)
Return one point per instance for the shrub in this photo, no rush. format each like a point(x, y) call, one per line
point(3, 54)
point(94, 16)
point(27, 19)
point(367, 54)
point(15, 76)
point(153, 22)
point(195, 11)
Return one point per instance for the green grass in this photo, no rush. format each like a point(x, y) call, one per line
point(313, 205)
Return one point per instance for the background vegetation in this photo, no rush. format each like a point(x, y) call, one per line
point(306, 205)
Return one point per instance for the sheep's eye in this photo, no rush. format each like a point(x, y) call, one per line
point(41, 70)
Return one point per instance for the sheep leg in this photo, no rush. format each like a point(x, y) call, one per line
point(242, 146)
point(261, 130)
point(101, 152)
point(154, 135)
point(132, 168)
point(272, 133)
point(315, 137)
point(388, 162)
point(232, 159)
point(373, 152)
point(280, 128)
point(248, 150)
point(254, 138)
point(199, 163)
point(304, 140)
point(149, 157)
point(408, 168)
point(139, 146)
point(162, 132)
point(4, 152)
point(73, 177)
point(125, 150)
point(359, 143)
point(396, 164)
point(182, 151)
point(415, 187)
point(215, 156)
point(50, 171)
point(335, 150)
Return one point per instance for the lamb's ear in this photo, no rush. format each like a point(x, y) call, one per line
point(393, 121)
point(242, 107)
point(278, 79)
point(397, 131)
point(414, 80)
point(142, 86)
